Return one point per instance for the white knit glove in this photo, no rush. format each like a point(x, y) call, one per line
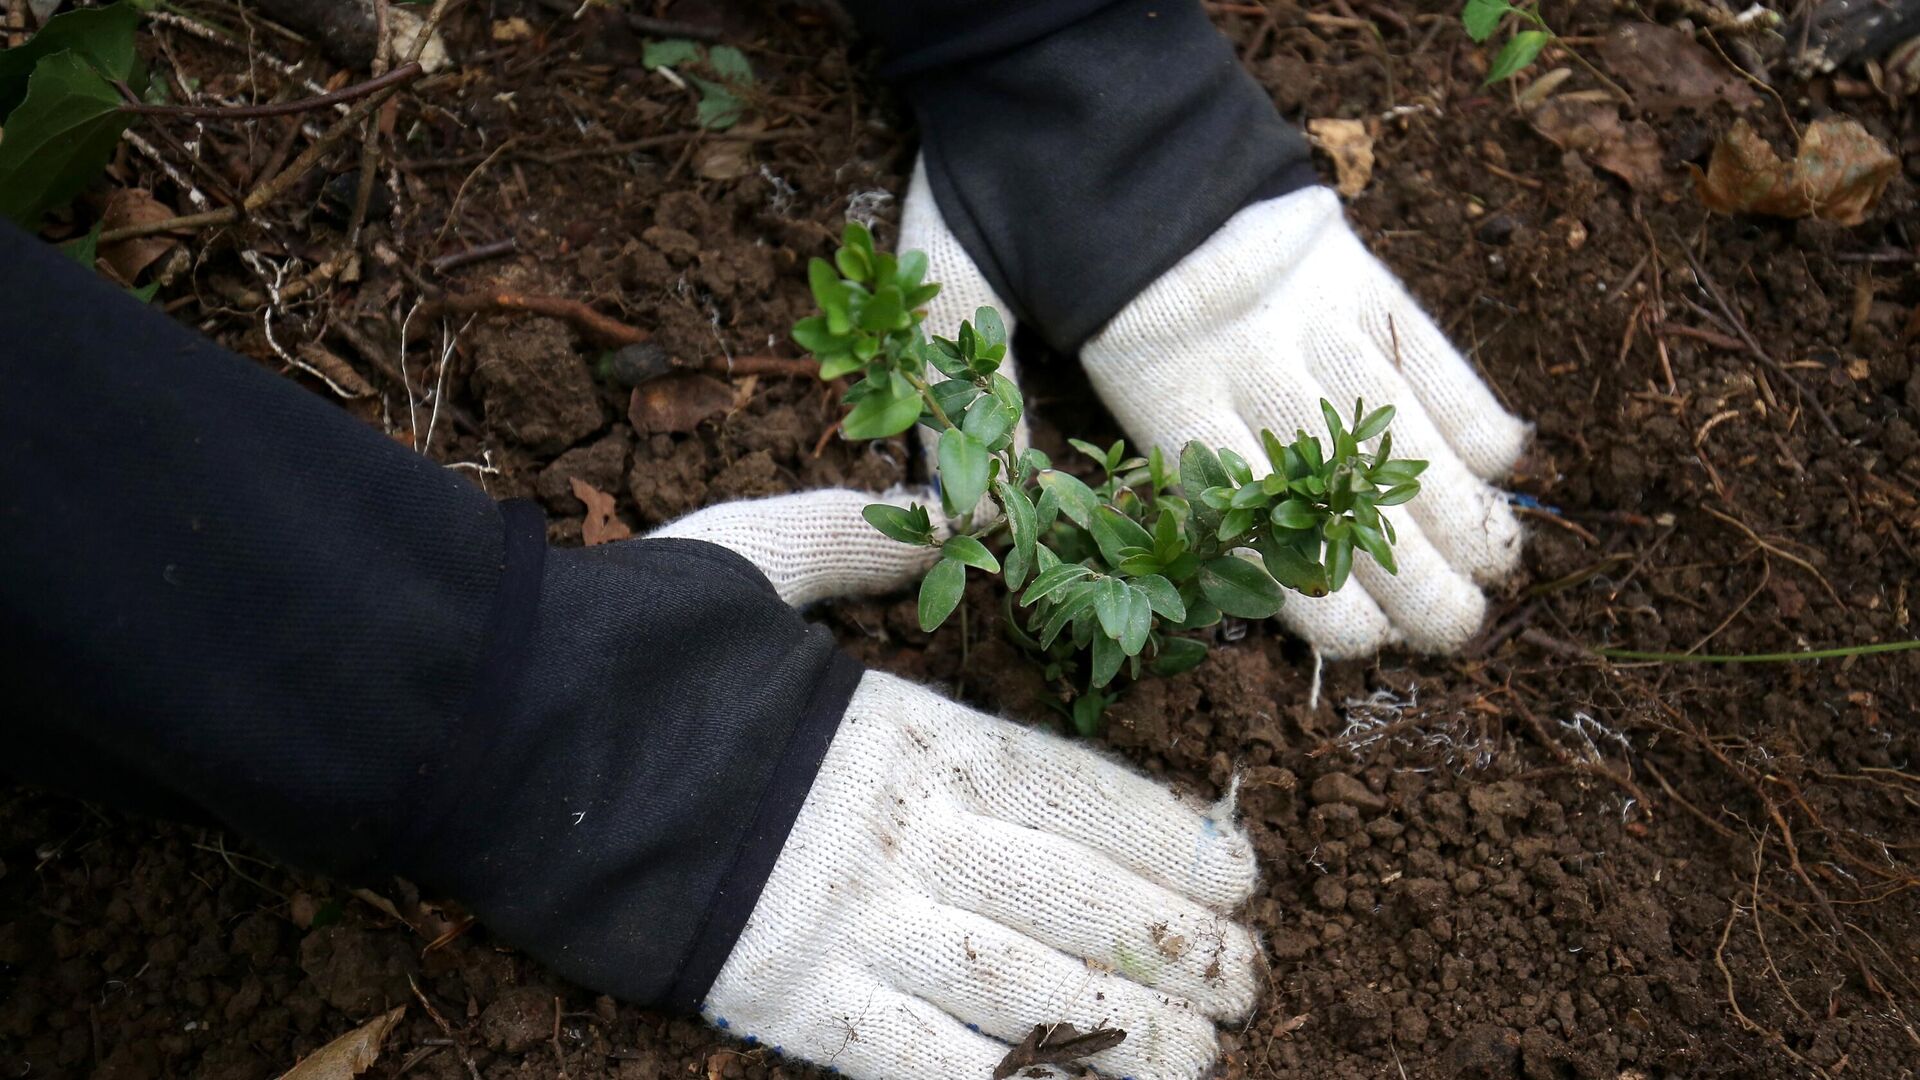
point(814, 545)
point(1281, 307)
point(954, 879)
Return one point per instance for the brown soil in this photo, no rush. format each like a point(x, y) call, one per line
point(1518, 863)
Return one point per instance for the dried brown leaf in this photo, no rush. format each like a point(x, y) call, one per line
point(1350, 146)
point(1837, 174)
point(127, 258)
point(349, 1055)
point(1056, 1044)
point(601, 526)
point(1628, 149)
point(1666, 70)
point(678, 403)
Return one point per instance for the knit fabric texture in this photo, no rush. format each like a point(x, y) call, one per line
point(954, 879)
point(1279, 309)
point(815, 544)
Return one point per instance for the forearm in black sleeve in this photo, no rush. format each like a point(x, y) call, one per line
point(1078, 149)
point(223, 597)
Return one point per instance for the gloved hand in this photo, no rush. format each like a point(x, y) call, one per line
point(954, 879)
point(1279, 308)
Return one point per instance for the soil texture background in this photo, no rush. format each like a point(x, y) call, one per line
point(1518, 862)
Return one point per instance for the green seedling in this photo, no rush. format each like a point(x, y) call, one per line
point(1482, 19)
point(1107, 578)
point(729, 75)
point(60, 106)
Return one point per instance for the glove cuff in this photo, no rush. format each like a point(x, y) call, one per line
point(1078, 165)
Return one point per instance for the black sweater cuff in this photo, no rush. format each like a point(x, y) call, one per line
point(1079, 150)
point(227, 599)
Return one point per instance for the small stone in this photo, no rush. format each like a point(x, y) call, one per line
point(1349, 790)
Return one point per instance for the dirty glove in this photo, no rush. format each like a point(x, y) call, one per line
point(954, 879)
point(1281, 307)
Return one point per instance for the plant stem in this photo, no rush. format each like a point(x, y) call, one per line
point(403, 74)
point(926, 394)
point(1760, 658)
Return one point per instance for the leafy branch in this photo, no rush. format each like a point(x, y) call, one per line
point(1116, 574)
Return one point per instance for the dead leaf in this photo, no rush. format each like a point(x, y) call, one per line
point(1056, 1044)
point(1837, 175)
point(349, 1055)
point(1666, 70)
point(601, 526)
point(127, 258)
point(337, 370)
point(511, 30)
point(1628, 149)
point(1351, 148)
point(724, 159)
point(677, 403)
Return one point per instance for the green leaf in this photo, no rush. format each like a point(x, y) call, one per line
point(1051, 580)
point(719, 109)
point(1106, 661)
point(970, 550)
point(1397, 494)
point(1023, 527)
point(1234, 525)
point(1339, 561)
point(1482, 17)
point(1077, 599)
point(964, 466)
point(811, 334)
point(102, 37)
point(909, 526)
point(668, 53)
point(1239, 588)
point(1375, 544)
point(60, 138)
point(940, 592)
point(852, 263)
point(1114, 532)
point(1374, 423)
point(989, 420)
point(1293, 567)
point(1518, 52)
point(1178, 654)
point(1294, 514)
point(881, 416)
point(730, 64)
point(1098, 455)
point(1236, 466)
point(839, 366)
point(1112, 601)
point(1075, 499)
point(1395, 473)
point(989, 328)
point(85, 249)
point(1161, 596)
point(1201, 471)
point(885, 310)
point(911, 271)
point(1139, 622)
point(1089, 713)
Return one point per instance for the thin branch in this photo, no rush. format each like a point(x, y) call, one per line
point(399, 76)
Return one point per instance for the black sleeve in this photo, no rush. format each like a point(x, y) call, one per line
point(220, 596)
point(1080, 148)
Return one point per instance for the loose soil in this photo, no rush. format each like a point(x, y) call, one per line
point(1520, 862)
